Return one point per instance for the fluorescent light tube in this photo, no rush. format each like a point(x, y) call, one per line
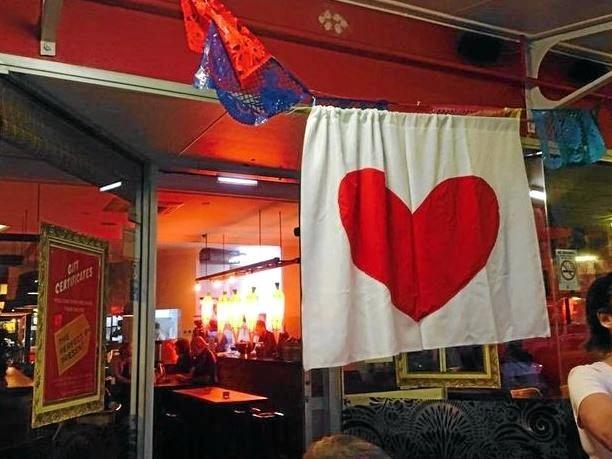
point(111, 186)
point(237, 181)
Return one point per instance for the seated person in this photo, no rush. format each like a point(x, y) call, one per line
point(198, 329)
point(203, 364)
point(121, 368)
point(262, 335)
point(226, 339)
point(121, 364)
point(183, 362)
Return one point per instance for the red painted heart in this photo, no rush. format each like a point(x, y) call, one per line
point(424, 258)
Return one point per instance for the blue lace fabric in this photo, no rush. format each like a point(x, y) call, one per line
point(568, 137)
point(266, 92)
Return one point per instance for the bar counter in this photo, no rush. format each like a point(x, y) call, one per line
point(280, 381)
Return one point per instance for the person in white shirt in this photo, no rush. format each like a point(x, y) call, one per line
point(590, 386)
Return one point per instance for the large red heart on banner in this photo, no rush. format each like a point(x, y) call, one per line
point(427, 256)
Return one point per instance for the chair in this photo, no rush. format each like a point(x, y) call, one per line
point(270, 430)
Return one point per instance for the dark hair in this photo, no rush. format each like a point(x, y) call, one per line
point(598, 300)
point(182, 346)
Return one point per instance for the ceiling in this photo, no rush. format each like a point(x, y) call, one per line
point(32, 192)
point(170, 129)
point(158, 127)
point(185, 217)
point(511, 17)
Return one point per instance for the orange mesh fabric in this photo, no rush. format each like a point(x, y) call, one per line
point(245, 51)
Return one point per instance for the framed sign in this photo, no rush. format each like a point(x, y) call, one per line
point(456, 367)
point(69, 376)
point(567, 269)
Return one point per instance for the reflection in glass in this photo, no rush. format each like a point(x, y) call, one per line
point(465, 359)
point(424, 361)
point(370, 376)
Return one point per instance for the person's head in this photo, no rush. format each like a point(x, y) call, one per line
point(182, 346)
point(125, 351)
point(260, 327)
point(157, 325)
point(599, 315)
point(198, 345)
point(344, 447)
point(198, 323)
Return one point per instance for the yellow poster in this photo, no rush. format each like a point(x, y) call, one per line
point(72, 343)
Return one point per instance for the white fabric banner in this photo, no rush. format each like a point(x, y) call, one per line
point(417, 232)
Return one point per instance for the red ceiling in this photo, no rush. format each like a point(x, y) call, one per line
point(374, 58)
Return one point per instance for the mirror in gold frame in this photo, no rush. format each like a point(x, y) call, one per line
point(458, 367)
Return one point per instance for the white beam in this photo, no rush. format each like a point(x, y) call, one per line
point(40, 67)
point(536, 51)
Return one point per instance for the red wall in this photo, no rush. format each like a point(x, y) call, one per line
point(372, 58)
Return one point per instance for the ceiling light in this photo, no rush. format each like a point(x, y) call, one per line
point(237, 181)
point(32, 293)
point(537, 194)
point(585, 258)
point(3, 227)
point(111, 186)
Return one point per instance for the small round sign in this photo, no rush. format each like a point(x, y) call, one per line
point(568, 270)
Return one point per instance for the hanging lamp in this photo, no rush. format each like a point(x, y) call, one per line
point(276, 311)
point(222, 310)
point(236, 316)
point(206, 308)
point(251, 308)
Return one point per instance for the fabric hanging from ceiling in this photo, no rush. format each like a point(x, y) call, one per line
point(569, 137)
point(417, 232)
point(250, 83)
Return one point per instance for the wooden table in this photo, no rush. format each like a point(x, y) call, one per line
point(214, 395)
point(209, 418)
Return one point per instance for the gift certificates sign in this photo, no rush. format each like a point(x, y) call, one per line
point(68, 372)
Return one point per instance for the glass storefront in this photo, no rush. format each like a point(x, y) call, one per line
point(54, 174)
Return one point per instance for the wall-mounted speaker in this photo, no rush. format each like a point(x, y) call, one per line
point(478, 49)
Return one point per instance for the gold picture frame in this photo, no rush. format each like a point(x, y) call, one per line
point(436, 370)
point(91, 400)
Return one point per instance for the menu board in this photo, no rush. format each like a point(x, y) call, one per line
point(68, 379)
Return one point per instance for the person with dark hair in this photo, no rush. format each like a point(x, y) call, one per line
point(183, 363)
point(203, 364)
point(265, 339)
point(121, 367)
point(342, 446)
point(590, 386)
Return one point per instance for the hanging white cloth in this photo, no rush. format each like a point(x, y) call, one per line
point(417, 232)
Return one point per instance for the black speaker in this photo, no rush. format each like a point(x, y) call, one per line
point(582, 72)
point(478, 49)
